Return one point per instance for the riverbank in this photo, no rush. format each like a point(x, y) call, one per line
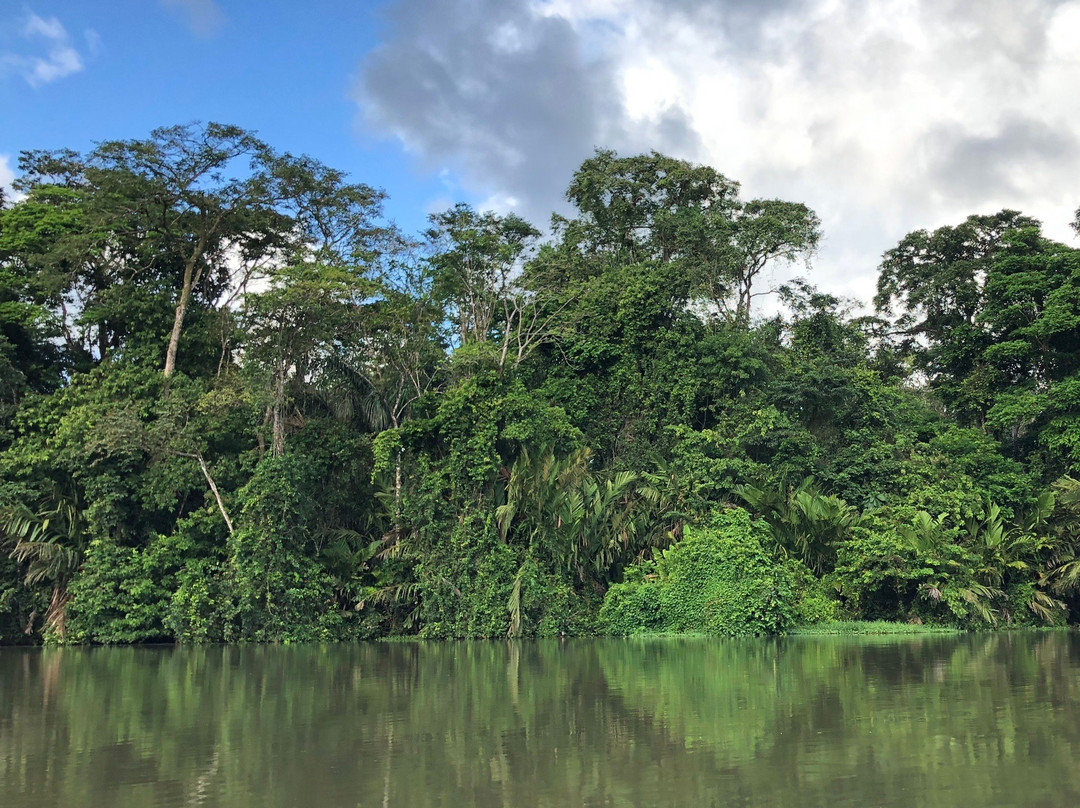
point(865, 627)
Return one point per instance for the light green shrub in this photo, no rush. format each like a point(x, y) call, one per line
point(717, 580)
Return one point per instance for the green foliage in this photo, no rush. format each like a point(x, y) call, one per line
point(199, 605)
point(121, 594)
point(804, 523)
point(50, 543)
point(281, 592)
point(987, 571)
point(466, 583)
point(998, 305)
point(589, 525)
point(718, 579)
point(236, 404)
point(816, 599)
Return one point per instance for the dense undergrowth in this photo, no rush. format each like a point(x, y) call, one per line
point(238, 405)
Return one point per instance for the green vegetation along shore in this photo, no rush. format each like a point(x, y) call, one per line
point(236, 404)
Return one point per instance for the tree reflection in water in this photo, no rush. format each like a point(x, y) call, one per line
point(923, 721)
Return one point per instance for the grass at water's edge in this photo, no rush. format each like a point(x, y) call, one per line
point(839, 628)
point(847, 627)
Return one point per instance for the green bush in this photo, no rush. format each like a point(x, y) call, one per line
point(632, 607)
point(466, 580)
point(200, 608)
point(282, 594)
point(879, 574)
point(121, 594)
point(717, 580)
point(815, 599)
point(475, 585)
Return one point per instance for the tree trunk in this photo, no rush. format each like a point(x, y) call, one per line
point(278, 443)
point(178, 320)
point(742, 309)
point(398, 485)
point(56, 617)
point(260, 435)
point(397, 493)
point(191, 278)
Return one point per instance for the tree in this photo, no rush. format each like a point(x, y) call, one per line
point(51, 542)
point(49, 260)
point(990, 312)
point(186, 193)
point(327, 271)
point(291, 329)
point(933, 284)
point(804, 522)
point(281, 591)
point(657, 208)
point(645, 207)
point(331, 220)
point(1062, 574)
point(763, 231)
point(400, 346)
point(277, 417)
point(477, 257)
point(590, 523)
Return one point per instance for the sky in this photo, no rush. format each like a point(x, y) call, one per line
point(884, 116)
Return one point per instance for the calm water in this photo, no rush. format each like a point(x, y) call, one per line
point(954, 721)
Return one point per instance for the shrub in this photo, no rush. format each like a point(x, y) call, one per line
point(815, 600)
point(717, 580)
point(282, 594)
point(121, 594)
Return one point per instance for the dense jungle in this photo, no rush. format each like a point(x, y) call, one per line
point(239, 404)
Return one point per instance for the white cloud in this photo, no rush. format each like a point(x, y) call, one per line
point(202, 17)
point(59, 58)
point(884, 116)
point(7, 176)
point(50, 28)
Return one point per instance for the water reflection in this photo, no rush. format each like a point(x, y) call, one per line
point(936, 721)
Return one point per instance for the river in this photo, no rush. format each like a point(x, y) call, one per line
point(967, 720)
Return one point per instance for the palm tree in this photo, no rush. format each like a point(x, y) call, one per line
point(997, 555)
point(804, 522)
point(584, 521)
point(1063, 571)
point(931, 537)
point(672, 500)
point(51, 542)
point(535, 490)
point(601, 522)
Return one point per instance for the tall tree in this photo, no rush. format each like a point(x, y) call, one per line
point(658, 208)
point(990, 312)
point(645, 207)
point(197, 195)
point(477, 258)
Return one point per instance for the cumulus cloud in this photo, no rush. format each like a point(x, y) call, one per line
point(59, 59)
point(202, 17)
point(884, 116)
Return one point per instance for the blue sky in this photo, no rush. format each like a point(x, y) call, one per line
point(287, 70)
point(884, 116)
